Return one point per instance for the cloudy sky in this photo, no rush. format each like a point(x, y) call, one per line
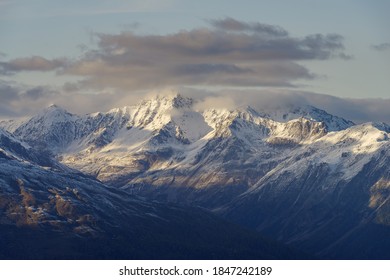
point(95, 54)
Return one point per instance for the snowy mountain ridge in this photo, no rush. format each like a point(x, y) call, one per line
point(167, 132)
point(294, 173)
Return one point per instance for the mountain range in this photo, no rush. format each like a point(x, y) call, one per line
point(294, 182)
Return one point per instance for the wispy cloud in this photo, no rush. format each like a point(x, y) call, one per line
point(34, 63)
point(381, 47)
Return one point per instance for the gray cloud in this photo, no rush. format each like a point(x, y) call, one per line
point(8, 97)
point(34, 63)
point(231, 24)
point(229, 53)
point(226, 53)
point(18, 100)
point(381, 47)
point(216, 45)
point(37, 93)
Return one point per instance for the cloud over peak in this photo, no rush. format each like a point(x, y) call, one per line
point(18, 101)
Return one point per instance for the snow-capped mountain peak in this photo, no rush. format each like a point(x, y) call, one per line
point(332, 123)
point(168, 131)
point(294, 172)
point(53, 128)
point(166, 102)
point(54, 114)
point(180, 101)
